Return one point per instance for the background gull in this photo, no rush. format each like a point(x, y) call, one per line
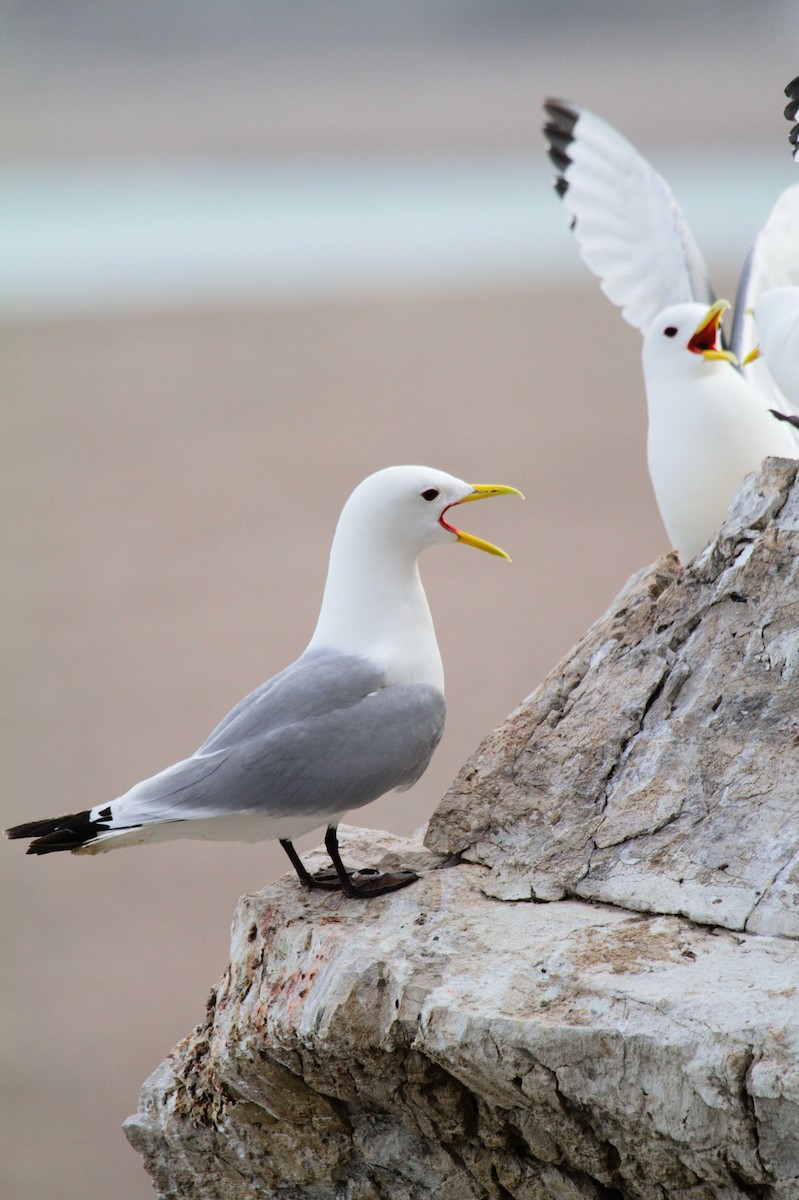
point(776, 310)
point(358, 714)
point(708, 424)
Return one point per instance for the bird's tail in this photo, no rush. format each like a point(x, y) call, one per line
point(60, 833)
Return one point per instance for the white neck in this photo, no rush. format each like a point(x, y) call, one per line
point(374, 605)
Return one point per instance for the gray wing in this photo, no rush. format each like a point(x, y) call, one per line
point(630, 230)
point(347, 758)
point(319, 681)
point(328, 746)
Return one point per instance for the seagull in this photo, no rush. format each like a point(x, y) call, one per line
point(707, 427)
point(709, 424)
point(776, 310)
point(359, 713)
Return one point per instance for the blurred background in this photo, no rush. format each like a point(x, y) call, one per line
point(251, 252)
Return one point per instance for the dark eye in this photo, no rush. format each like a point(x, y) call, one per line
point(430, 494)
point(670, 331)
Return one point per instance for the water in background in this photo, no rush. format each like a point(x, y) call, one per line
point(94, 238)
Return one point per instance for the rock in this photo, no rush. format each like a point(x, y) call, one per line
point(657, 767)
point(634, 1039)
point(440, 1043)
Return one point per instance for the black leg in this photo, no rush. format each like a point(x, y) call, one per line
point(331, 844)
point(360, 885)
point(296, 862)
point(363, 884)
point(330, 884)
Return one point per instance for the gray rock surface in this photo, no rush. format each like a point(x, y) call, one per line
point(441, 1043)
point(638, 1039)
point(657, 767)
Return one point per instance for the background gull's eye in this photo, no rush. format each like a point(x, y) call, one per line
point(670, 331)
point(430, 494)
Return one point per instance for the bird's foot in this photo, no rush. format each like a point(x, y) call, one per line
point(363, 884)
point(368, 883)
point(329, 879)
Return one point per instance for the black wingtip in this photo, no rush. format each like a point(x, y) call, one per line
point(792, 113)
point(561, 120)
point(560, 110)
point(559, 133)
point(53, 843)
point(58, 833)
point(557, 151)
point(789, 417)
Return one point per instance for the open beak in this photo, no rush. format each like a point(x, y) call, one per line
point(481, 492)
point(754, 353)
point(704, 339)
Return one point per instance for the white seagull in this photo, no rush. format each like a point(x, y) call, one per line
point(776, 310)
point(360, 712)
point(708, 424)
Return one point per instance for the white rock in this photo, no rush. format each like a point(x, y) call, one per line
point(440, 1043)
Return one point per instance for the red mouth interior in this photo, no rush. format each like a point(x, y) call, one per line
point(444, 524)
point(705, 338)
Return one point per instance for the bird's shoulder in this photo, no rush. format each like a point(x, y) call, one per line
point(319, 682)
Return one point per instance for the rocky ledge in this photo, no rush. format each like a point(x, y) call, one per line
point(592, 992)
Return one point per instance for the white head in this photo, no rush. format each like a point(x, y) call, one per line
point(684, 339)
point(405, 509)
point(374, 602)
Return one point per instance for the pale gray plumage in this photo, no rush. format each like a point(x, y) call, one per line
point(357, 715)
point(323, 736)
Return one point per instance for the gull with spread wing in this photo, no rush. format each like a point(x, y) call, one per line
point(709, 424)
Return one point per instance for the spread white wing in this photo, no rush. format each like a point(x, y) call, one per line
point(629, 227)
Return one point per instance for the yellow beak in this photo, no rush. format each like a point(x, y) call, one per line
point(754, 353)
point(703, 340)
point(481, 492)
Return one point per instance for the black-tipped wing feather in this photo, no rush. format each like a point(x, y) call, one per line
point(321, 738)
point(792, 112)
point(59, 833)
point(630, 230)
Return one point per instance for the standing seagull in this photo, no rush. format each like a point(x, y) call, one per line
point(360, 712)
point(708, 424)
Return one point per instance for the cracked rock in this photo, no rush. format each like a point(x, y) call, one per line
point(657, 767)
point(439, 1043)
